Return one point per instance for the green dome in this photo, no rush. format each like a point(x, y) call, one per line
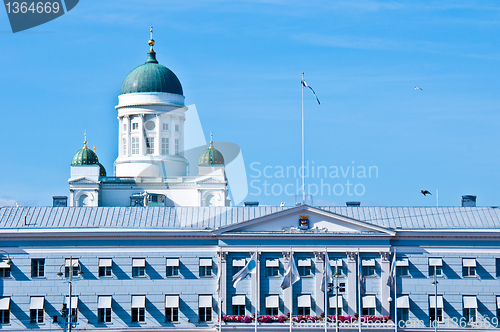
point(84, 156)
point(151, 77)
point(211, 156)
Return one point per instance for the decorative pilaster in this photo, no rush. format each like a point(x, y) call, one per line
point(384, 275)
point(223, 277)
point(352, 282)
point(142, 140)
point(319, 263)
point(158, 136)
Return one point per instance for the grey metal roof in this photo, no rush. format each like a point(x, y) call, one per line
point(215, 217)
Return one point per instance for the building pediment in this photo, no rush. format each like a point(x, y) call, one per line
point(210, 180)
point(305, 219)
point(82, 180)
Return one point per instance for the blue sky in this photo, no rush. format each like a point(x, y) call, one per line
point(240, 63)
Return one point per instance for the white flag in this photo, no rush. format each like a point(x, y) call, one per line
point(249, 268)
point(291, 274)
point(327, 275)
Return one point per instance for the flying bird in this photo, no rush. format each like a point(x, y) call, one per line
point(417, 88)
point(425, 192)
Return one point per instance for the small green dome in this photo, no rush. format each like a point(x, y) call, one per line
point(84, 156)
point(211, 156)
point(151, 77)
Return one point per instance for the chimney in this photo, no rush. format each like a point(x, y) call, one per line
point(469, 201)
point(59, 201)
point(251, 203)
point(352, 204)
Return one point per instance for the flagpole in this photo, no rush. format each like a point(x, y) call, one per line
point(257, 290)
point(326, 291)
point(291, 289)
point(219, 289)
point(395, 294)
point(303, 149)
point(359, 292)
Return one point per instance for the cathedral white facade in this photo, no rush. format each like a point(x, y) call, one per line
point(151, 168)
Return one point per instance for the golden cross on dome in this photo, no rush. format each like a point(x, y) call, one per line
point(211, 140)
point(151, 41)
point(85, 142)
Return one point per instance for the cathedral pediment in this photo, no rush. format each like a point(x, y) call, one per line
point(210, 180)
point(83, 180)
point(306, 219)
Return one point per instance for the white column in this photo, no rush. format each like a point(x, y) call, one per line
point(386, 290)
point(129, 129)
point(319, 264)
point(171, 147)
point(181, 135)
point(158, 136)
point(120, 136)
point(142, 141)
point(352, 283)
point(223, 286)
point(255, 285)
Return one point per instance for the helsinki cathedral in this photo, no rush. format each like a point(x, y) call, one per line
point(152, 168)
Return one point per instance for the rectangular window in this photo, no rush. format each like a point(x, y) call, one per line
point(124, 144)
point(5, 310)
point(304, 267)
point(75, 263)
point(402, 266)
point(135, 126)
point(104, 308)
point(238, 264)
point(104, 315)
point(36, 309)
point(368, 267)
point(74, 307)
point(369, 304)
point(105, 267)
point(272, 267)
point(172, 308)
point(138, 267)
point(468, 267)
point(435, 267)
point(272, 305)
point(164, 145)
point(205, 267)
point(37, 268)
point(176, 147)
point(336, 265)
point(135, 145)
point(172, 267)
point(238, 302)
point(335, 307)
point(433, 313)
point(124, 127)
point(498, 267)
point(205, 308)
point(403, 305)
point(470, 308)
point(177, 127)
point(165, 126)
point(150, 145)
point(304, 305)
point(4, 270)
point(138, 308)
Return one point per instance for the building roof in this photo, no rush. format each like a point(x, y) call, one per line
point(211, 218)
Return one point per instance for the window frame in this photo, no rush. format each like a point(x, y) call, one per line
point(5, 316)
point(37, 269)
point(165, 145)
point(135, 125)
point(205, 271)
point(103, 314)
point(304, 270)
point(469, 271)
point(150, 145)
point(135, 145)
point(138, 315)
point(5, 272)
point(437, 268)
point(172, 271)
point(174, 314)
point(138, 271)
point(36, 316)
